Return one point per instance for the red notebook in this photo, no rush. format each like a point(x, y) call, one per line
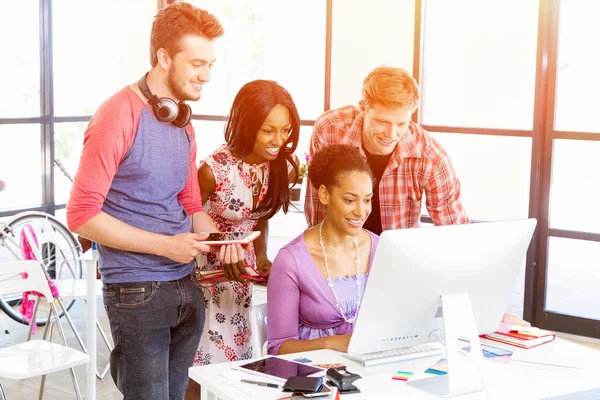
point(217, 276)
point(514, 338)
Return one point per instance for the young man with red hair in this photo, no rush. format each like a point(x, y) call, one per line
point(136, 195)
point(405, 159)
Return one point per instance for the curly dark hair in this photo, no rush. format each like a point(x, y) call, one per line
point(330, 164)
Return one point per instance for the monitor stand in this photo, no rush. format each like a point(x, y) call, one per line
point(463, 368)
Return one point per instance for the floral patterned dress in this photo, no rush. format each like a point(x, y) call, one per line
point(226, 335)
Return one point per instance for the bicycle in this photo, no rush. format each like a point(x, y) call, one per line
point(59, 253)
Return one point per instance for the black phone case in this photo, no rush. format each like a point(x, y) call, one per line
point(303, 384)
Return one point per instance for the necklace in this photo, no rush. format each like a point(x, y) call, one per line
point(256, 178)
point(330, 281)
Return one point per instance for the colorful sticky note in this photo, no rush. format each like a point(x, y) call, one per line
point(498, 352)
point(440, 368)
point(435, 372)
point(490, 352)
point(402, 376)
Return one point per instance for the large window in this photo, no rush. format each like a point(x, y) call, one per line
point(366, 35)
point(575, 186)
point(510, 90)
point(68, 143)
point(572, 290)
point(479, 63)
point(573, 278)
point(21, 167)
point(96, 56)
point(491, 188)
point(62, 68)
point(20, 77)
point(578, 85)
point(266, 39)
point(478, 79)
point(263, 39)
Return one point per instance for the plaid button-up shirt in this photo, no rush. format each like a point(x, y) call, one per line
point(419, 164)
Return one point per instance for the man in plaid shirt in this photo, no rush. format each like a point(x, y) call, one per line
point(405, 159)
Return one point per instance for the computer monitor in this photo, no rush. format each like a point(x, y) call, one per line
point(413, 268)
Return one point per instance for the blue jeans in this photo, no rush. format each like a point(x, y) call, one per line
point(156, 328)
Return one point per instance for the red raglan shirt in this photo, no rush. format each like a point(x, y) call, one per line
point(142, 172)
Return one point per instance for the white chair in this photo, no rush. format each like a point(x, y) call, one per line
point(258, 325)
point(35, 357)
point(76, 289)
point(68, 289)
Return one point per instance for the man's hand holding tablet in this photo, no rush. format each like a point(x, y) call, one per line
point(224, 238)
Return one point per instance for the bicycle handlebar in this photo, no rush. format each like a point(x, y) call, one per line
point(63, 169)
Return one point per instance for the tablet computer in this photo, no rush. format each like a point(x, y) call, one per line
point(279, 369)
point(223, 238)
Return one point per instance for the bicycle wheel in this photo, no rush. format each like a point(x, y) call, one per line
point(60, 253)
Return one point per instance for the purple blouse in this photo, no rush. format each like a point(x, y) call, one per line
point(300, 303)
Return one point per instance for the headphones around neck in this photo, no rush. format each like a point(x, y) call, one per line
point(165, 109)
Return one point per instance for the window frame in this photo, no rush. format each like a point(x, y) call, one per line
point(48, 119)
point(543, 135)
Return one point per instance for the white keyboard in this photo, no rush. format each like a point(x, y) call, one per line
point(396, 355)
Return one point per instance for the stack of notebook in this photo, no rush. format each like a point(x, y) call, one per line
point(521, 336)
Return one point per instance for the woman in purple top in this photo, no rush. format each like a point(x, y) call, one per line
point(318, 279)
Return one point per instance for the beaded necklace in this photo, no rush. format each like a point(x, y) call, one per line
point(330, 281)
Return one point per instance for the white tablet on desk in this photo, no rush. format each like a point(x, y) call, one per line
point(279, 369)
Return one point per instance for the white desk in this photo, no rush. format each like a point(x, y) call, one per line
point(90, 258)
point(512, 380)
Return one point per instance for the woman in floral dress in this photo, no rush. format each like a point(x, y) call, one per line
point(244, 183)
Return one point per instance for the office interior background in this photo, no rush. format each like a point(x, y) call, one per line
point(509, 88)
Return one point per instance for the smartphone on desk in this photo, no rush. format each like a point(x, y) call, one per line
point(224, 238)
